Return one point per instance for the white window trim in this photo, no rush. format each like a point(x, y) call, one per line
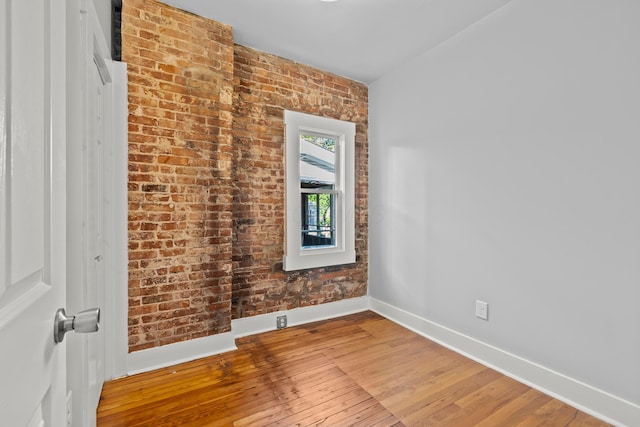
point(297, 258)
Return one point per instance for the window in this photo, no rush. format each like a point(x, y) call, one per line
point(320, 191)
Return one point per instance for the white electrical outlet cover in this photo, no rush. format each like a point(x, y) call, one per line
point(482, 310)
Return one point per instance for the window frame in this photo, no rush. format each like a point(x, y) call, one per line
point(296, 256)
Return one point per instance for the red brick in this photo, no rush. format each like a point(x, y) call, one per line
point(259, 284)
point(206, 177)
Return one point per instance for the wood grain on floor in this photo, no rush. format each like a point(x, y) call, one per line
point(357, 370)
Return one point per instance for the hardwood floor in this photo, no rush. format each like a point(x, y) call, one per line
point(360, 370)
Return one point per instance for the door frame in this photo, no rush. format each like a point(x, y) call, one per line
point(87, 47)
point(117, 169)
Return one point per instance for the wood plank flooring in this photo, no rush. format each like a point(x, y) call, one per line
point(358, 370)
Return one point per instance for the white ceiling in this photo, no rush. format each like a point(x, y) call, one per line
point(359, 39)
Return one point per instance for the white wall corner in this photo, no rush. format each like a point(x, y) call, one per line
point(584, 397)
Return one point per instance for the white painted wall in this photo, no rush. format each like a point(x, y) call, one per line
point(505, 166)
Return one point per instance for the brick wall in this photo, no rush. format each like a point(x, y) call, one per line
point(264, 86)
point(180, 70)
point(206, 177)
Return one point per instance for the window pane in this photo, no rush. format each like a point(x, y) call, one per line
point(318, 225)
point(317, 171)
point(317, 161)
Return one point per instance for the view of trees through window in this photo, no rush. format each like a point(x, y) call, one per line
point(327, 143)
point(317, 227)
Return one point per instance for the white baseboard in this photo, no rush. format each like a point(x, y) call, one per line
point(298, 316)
point(591, 400)
point(184, 351)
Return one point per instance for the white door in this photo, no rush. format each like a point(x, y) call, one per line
point(32, 211)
